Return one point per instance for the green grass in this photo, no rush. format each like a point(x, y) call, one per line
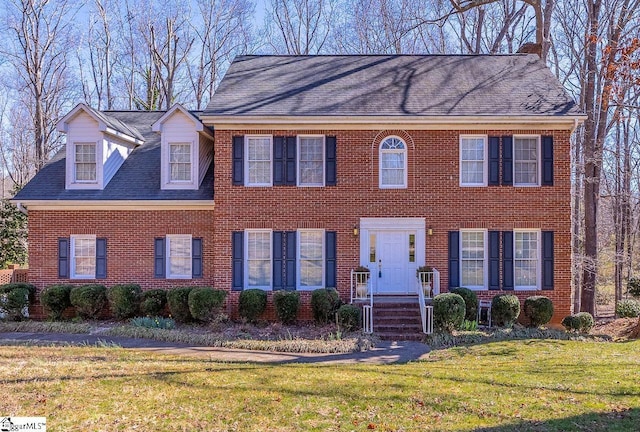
point(531, 385)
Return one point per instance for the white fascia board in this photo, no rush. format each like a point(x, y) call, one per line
point(122, 136)
point(116, 205)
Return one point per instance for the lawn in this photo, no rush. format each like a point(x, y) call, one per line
point(517, 385)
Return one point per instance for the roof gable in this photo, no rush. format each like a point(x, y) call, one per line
point(106, 123)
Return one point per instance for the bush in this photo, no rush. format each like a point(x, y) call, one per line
point(286, 304)
point(154, 322)
point(324, 304)
point(124, 300)
point(538, 310)
point(633, 286)
point(56, 299)
point(14, 304)
point(178, 301)
point(7, 288)
point(628, 309)
point(448, 311)
point(205, 303)
point(252, 303)
point(349, 317)
point(581, 322)
point(505, 309)
point(153, 302)
point(88, 300)
point(470, 302)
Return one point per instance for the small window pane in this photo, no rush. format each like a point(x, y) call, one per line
point(412, 248)
point(372, 248)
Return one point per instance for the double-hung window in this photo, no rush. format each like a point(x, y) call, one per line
point(473, 151)
point(258, 247)
point(473, 259)
point(178, 256)
point(179, 162)
point(311, 258)
point(310, 160)
point(526, 166)
point(393, 163)
point(259, 160)
point(526, 259)
point(83, 256)
point(85, 163)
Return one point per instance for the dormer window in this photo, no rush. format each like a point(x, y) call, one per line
point(179, 162)
point(85, 163)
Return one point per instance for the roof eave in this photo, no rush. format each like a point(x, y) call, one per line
point(34, 204)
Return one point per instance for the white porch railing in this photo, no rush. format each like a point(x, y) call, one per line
point(361, 291)
point(427, 287)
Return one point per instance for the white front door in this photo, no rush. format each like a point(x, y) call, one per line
point(393, 262)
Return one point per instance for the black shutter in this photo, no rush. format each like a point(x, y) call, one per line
point(507, 160)
point(290, 254)
point(454, 259)
point(331, 268)
point(63, 258)
point(159, 258)
point(507, 260)
point(196, 258)
point(279, 161)
point(238, 160)
point(331, 178)
point(494, 161)
point(547, 161)
point(290, 161)
point(494, 260)
point(101, 258)
point(547, 260)
point(237, 261)
point(278, 260)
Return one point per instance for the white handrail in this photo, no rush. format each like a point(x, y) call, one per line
point(361, 289)
point(422, 305)
point(427, 286)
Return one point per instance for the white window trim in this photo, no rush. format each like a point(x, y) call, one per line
point(298, 153)
point(485, 164)
point(406, 163)
point(168, 239)
point(299, 286)
point(72, 240)
point(536, 287)
point(246, 259)
point(246, 160)
point(485, 264)
point(539, 162)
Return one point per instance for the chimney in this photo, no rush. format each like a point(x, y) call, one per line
point(530, 48)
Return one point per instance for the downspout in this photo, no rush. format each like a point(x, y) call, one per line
point(22, 208)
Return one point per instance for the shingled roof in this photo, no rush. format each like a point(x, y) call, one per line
point(390, 85)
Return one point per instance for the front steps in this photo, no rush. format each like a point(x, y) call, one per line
point(397, 318)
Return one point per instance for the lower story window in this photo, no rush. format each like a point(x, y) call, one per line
point(526, 268)
point(311, 258)
point(259, 259)
point(83, 256)
point(179, 256)
point(472, 263)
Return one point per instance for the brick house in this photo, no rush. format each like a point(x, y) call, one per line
point(303, 167)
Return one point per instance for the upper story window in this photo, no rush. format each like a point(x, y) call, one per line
point(473, 160)
point(83, 256)
point(179, 256)
point(526, 259)
point(85, 163)
point(393, 163)
point(180, 162)
point(526, 155)
point(259, 172)
point(472, 258)
point(311, 160)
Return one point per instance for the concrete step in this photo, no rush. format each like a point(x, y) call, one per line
point(415, 337)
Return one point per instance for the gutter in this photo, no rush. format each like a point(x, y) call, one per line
point(22, 208)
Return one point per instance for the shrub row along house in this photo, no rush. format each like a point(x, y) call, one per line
point(304, 167)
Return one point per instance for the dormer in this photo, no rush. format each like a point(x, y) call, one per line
point(97, 145)
point(187, 149)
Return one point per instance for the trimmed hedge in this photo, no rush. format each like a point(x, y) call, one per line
point(286, 304)
point(505, 309)
point(14, 304)
point(89, 300)
point(178, 301)
point(124, 300)
point(252, 303)
point(324, 304)
point(628, 309)
point(448, 311)
point(470, 302)
point(581, 322)
point(153, 302)
point(349, 317)
point(538, 310)
point(7, 288)
point(55, 299)
point(205, 303)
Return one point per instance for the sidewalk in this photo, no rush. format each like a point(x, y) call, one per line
point(385, 353)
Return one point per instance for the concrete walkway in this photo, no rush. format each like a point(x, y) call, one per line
point(385, 353)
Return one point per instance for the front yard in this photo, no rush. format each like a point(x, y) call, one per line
point(538, 385)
